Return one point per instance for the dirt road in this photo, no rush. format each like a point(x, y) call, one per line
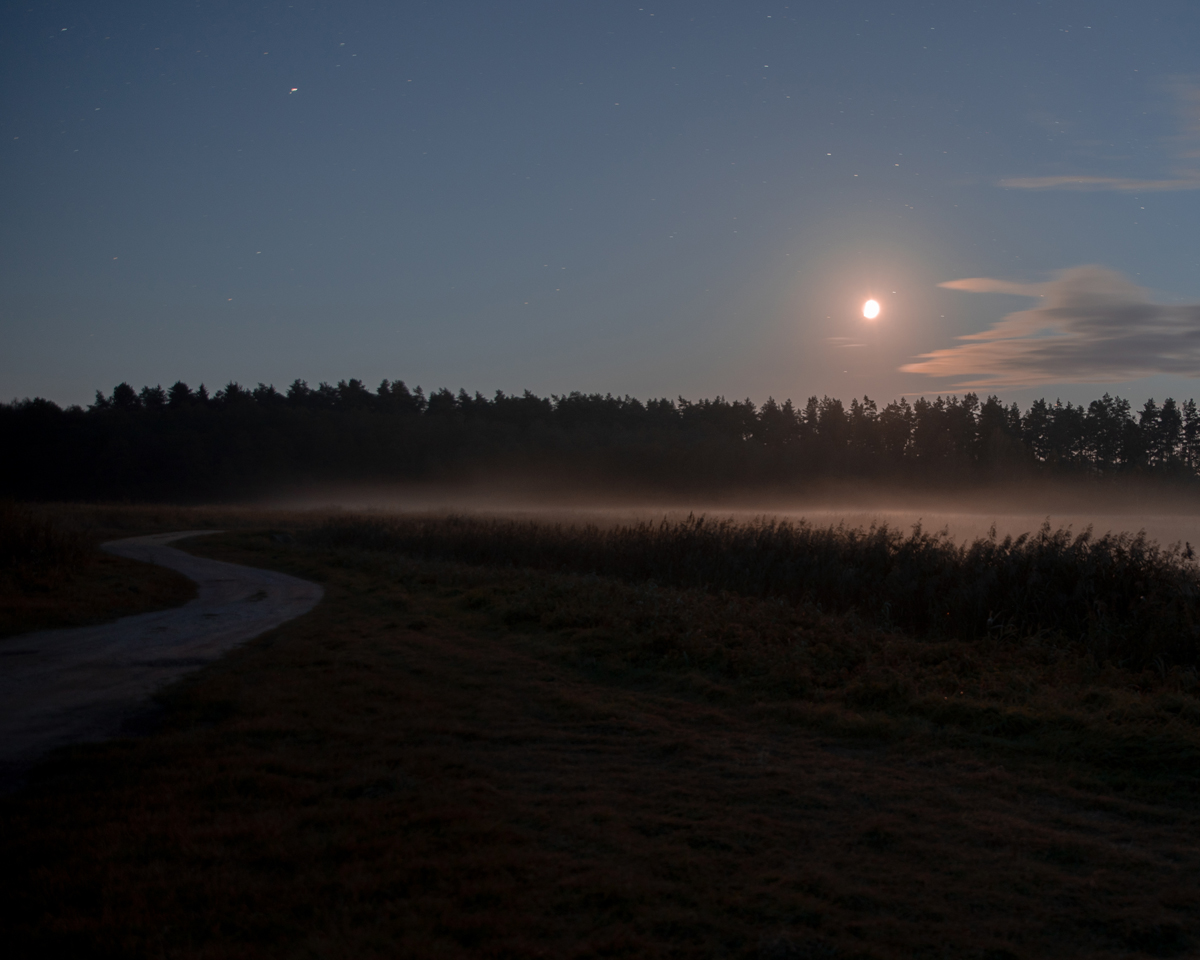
point(71, 686)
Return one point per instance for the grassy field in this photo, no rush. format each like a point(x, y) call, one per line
point(459, 760)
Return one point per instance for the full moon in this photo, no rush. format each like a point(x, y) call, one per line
point(871, 309)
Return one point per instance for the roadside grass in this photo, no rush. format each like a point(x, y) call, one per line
point(33, 546)
point(53, 575)
point(453, 760)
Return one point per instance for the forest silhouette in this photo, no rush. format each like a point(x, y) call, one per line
point(185, 444)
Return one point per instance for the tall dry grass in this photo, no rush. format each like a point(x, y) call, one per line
point(36, 549)
point(1121, 597)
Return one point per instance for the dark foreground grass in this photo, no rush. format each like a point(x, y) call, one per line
point(53, 574)
point(451, 760)
point(1120, 597)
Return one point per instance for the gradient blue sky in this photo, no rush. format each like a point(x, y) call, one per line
point(677, 198)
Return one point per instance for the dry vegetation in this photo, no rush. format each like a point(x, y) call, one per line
point(1119, 597)
point(34, 547)
point(52, 574)
point(459, 760)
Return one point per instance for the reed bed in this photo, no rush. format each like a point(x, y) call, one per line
point(1121, 597)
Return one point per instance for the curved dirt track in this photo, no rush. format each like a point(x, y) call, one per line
point(81, 684)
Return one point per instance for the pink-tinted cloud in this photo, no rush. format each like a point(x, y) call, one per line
point(1093, 326)
point(988, 285)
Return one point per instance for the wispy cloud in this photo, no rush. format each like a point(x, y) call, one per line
point(1124, 184)
point(1183, 149)
point(1095, 326)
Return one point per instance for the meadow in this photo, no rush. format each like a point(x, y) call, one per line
point(500, 738)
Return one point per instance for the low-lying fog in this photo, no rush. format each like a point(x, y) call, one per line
point(1166, 515)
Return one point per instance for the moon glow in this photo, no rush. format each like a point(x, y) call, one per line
point(871, 309)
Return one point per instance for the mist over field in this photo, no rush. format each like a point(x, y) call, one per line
point(1165, 515)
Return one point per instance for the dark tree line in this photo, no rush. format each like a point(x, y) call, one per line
point(181, 443)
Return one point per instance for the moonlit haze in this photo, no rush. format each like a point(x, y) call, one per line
point(663, 200)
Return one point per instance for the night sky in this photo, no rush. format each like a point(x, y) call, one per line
point(677, 198)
